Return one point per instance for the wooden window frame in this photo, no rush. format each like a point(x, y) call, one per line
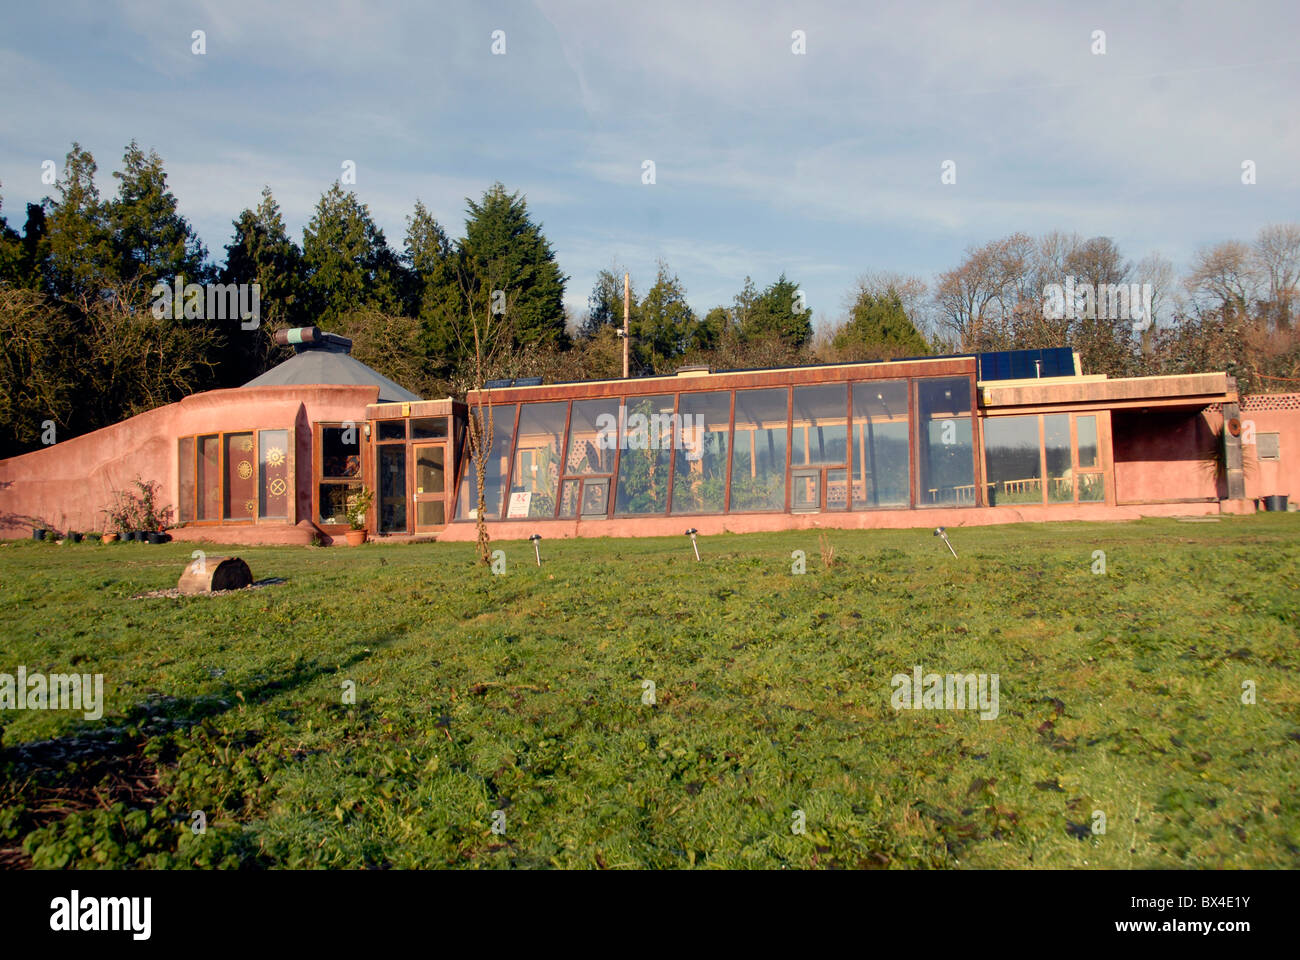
point(223, 468)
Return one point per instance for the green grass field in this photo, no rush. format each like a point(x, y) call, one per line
point(523, 693)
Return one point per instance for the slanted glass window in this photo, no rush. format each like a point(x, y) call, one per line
point(537, 460)
point(645, 461)
point(494, 473)
point(945, 452)
point(185, 489)
point(701, 455)
point(1013, 460)
point(1056, 445)
point(758, 454)
point(591, 448)
point(819, 431)
point(276, 486)
point(880, 455)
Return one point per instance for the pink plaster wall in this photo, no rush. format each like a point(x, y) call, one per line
point(1280, 414)
point(1158, 455)
point(67, 485)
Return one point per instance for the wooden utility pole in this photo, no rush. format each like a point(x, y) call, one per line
point(627, 313)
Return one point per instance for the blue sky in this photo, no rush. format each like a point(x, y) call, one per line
point(824, 165)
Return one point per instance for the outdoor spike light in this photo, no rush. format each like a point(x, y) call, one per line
point(537, 549)
point(691, 533)
point(941, 532)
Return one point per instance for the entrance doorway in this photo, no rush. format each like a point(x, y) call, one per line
point(430, 496)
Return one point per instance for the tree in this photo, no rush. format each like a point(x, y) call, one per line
point(79, 248)
point(1224, 277)
point(262, 252)
point(605, 305)
point(1277, 260)
point(504, 255)
point(879, 328)
point(150, 240)
point(348, 260)
point(432, 294)
point(778, 311)
point(665, 327)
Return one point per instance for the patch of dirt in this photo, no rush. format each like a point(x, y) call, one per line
point(106, 772)
point(175, 594)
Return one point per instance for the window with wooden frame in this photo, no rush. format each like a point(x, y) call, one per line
point(337, 470)
point(1043, 459)
point(240, 475)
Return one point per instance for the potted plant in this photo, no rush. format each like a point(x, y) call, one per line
point(38, 533)
point(358, 506)
point(74, 536)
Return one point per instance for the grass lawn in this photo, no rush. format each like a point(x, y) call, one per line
point(523, 693)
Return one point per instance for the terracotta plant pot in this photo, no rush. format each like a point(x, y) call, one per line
point(110, 538)
point(356, 538)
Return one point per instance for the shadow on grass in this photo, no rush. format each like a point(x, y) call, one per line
point(47, 780)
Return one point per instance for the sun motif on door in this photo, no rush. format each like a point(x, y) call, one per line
point(275, 457)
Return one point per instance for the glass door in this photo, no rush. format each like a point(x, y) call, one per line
point(392, 488)
point(430, 496)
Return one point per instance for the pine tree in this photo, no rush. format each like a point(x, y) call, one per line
point(776, 313)
point(432, 294)
point(879, 328)
point(504, 250)
point(666, 327)
point(151, 242)
point(79, 256)
point(349, 263)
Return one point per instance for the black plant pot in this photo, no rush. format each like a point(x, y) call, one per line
point(136, 536)
point(38, 533)
point(1275, 503)
point(74, 537)
point(160, 537)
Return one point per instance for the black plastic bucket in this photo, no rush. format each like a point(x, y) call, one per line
point(1274, 503)
point(38, 533)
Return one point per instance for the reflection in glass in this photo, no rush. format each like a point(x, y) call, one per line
point(595, 498)
point(537, 458)
point(494, 488)
point(701, 460)
point(1086, 427)
point(819, 431)
point(1092, 487)
point(945, 453)
point(392, 488)
point(646, 458)
point(185, 489)
point(587, 454)
point(880, 454)
point(1013, 461)
point(1056, 445)
point(758, 452)
point(209, 478)
point(837, 490)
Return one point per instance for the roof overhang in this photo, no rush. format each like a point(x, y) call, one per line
point(1188, 390)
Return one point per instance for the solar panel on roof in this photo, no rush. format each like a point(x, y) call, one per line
point(496, 384)
point(528, 382)
point(1026, 364)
